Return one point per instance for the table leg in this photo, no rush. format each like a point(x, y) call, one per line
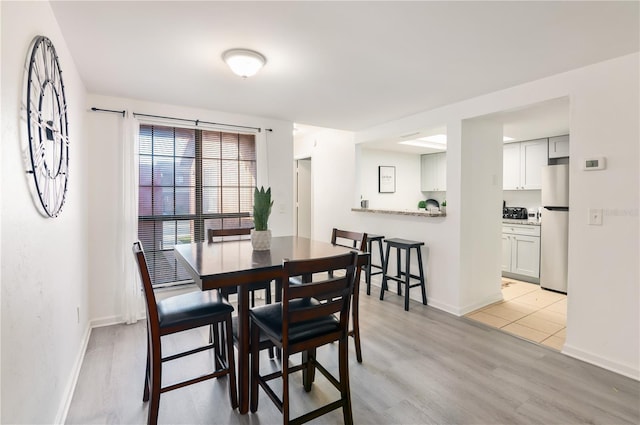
point(243, 348)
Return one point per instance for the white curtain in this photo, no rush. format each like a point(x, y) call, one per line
point(131, 285)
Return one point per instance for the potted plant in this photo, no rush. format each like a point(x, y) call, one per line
point(422, 205)
point(260, 234)
point(443, 207)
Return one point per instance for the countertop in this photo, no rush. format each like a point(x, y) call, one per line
point(525, 222)
point(415, 213)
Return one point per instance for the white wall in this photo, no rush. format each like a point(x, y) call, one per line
point(275, 169)
point(480, 203)
point(45, 274)
point(333, 177)
point(407, 194)
point(604, 279)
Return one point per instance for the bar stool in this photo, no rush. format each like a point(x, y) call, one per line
point(406, 245)
point(368, 273)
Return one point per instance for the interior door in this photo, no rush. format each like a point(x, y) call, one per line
point(303, 198)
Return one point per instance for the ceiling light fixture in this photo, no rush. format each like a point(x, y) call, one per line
point(424, 144)
point(436, 138)
point(244, 62)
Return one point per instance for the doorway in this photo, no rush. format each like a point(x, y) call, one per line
point(303, 197)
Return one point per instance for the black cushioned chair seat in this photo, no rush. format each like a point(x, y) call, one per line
point(270, 319)
point(195, 305)
point(264, 340)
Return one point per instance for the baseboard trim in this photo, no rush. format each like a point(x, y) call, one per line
point(416, 295)
point(623, 369)
point(61, 416)
point(63, 411)
point(497, 297)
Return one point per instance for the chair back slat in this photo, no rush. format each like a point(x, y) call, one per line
point(337, 290)
point(315, 312)
point(349, 239)
point(318, 288)
point(153, 322)
point(221, 233)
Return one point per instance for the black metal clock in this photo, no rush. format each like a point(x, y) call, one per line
point(47, 127)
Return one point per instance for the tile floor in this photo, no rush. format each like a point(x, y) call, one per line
point(528, 311)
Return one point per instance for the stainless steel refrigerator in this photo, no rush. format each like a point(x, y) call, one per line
point(554, 227)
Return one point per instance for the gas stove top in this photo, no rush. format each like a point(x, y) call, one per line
point(517, 213)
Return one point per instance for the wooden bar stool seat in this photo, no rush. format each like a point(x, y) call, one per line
point(404, 276)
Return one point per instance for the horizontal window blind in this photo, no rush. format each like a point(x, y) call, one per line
point(190, 181)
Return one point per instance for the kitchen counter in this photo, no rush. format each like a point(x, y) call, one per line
point(415, 213)
point(525, 222)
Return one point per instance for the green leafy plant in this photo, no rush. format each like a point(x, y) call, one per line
point(262, 204)
point(422, 204)
point(444, 203)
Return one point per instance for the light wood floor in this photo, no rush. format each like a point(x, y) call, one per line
point(420, 367)
point(528, 311)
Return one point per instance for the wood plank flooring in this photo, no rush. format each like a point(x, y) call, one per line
point(420, 367)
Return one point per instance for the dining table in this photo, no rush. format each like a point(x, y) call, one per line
point(215, 265)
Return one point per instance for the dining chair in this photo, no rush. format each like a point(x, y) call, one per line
point(176, 314)
point(301, 324)
point(218, 235)
point(354, 240)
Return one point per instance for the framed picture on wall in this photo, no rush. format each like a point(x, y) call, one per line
point(386, 179)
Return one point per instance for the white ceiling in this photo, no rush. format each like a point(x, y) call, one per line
point(344, 65)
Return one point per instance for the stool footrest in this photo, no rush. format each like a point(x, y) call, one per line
point(403, 279)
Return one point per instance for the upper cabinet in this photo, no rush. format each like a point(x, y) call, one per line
point(522, 164)
point(433, 172)
point(559, 146)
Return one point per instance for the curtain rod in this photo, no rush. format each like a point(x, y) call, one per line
point(196, 122)
point(123, 112)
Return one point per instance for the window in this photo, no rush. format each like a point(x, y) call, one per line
point(190, 180)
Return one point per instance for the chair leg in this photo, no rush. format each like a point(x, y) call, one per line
point(155, 379)
point(423, 281)
point(367, 276)
point(407, 279)
point(343, 365)
point(399, 271)
point(309, 372)
point(255, 366)
point(214, 338)
point(285, 389)
point(145, 393)
point(355, 316)
point(267, 296)
point(231, 364)
point(385, 268)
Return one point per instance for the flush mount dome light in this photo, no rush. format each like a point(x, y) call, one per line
point(244, 62)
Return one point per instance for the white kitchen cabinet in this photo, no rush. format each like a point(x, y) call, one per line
point(511, 166)
point(433, 172)
point(522, 164)
point(521, 250)
point(559, 146)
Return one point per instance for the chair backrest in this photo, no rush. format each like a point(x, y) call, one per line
point(336, 290)
point(349, 239)
point(221, 233)
point(150, 298)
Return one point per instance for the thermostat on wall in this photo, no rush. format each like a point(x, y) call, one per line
point(594, 164)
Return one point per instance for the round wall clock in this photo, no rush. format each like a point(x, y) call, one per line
point(47, 127)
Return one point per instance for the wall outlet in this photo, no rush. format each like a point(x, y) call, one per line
point(595, 216)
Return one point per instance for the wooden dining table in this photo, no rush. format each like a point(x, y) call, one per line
point(235, 263)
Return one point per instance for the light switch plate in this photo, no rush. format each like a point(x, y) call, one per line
point(595, 216)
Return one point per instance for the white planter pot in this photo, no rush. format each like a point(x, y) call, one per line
point(261, 240)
